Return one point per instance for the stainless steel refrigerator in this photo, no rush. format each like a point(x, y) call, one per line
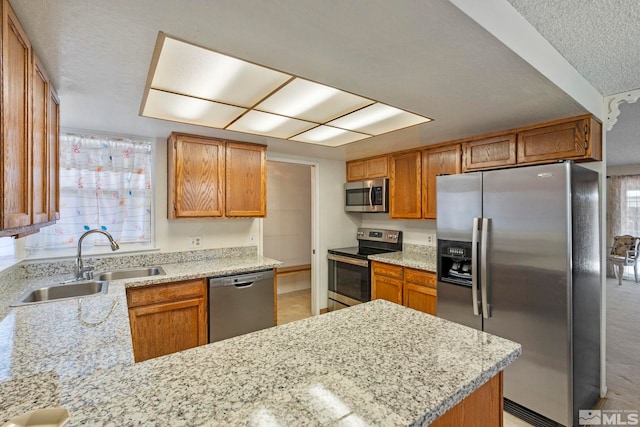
point(518, 257)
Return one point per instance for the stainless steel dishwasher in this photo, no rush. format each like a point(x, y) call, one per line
point(239, 304)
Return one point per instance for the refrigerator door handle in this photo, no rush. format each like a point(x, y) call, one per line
point(474, 266)
point(484, 272)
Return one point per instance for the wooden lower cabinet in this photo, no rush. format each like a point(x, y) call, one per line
point(167, 318)
point(405, 286)
point(482, 408)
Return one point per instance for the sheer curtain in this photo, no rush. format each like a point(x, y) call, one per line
point(623, 207)
point(105, 183)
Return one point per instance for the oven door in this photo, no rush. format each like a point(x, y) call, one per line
point(349, 280)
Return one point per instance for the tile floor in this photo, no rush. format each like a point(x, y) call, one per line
point(296, 305)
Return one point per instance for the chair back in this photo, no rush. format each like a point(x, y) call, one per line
point(622, 244)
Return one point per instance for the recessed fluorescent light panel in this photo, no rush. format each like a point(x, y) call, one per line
point(194, 85)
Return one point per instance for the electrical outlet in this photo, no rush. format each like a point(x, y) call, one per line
point(196, 241)
point(430, 240)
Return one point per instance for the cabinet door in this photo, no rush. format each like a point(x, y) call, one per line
point(168, 317)
point(378, 167)
point(561, 141)
point(420, 290)
point(246, 180)
point(16, 119)
point(196, 176)
point(437, 161)
point(53, 138)
point(40, 144)
point(386, 282)
point(356, 170)
point(405, 189)
point(168, 327)
point(495, 152)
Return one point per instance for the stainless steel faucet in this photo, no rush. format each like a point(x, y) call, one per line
point(83, 272)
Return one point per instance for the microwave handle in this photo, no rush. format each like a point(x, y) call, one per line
point(371, 196)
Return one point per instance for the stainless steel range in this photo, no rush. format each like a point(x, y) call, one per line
point(350, 270)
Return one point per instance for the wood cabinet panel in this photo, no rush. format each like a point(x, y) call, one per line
point(53, 147)
point(166, 328)
point(387, 288)
point(376, 167)
point(437, 161)
point(420, 297)
point(561, 141)
point(482, 408)
point(16, 120)
point(499, 151)
point(405, 186)
point(167, 318)
point(420, 277)
point(196, 176)
point(40, 144)
point(388, 270)
point(410, 287)
point(246, 180)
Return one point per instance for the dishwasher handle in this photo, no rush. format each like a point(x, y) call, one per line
point(241, 281)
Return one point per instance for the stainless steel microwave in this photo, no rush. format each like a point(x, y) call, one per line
point(367, 196)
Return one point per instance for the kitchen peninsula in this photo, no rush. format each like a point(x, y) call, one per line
point(376, 363)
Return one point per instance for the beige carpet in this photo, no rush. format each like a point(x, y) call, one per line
point(623, 346)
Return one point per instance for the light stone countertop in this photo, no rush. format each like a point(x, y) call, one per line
point(414, 256)
point(376, 362)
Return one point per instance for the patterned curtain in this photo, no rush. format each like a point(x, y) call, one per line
point(623, 207)
point(105, 183)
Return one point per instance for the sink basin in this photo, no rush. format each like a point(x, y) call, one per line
point(131, 274)
point(61, 292)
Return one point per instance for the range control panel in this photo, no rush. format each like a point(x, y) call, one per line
point(377, 235)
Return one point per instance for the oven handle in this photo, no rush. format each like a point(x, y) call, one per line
point(347, 260)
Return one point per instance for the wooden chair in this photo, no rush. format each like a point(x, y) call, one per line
point(624, 253)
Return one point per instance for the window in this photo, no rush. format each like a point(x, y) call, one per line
point(105, 183)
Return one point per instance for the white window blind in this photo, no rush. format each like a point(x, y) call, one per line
point(105, 183)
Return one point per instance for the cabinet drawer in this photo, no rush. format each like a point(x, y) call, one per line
point(388, 270)
point(420, 277)
point(166, 292)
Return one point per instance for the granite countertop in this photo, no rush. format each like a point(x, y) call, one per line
point(414, 256)
point(378, 363)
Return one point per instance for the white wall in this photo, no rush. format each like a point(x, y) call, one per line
point(415, 231)
point(623, 170)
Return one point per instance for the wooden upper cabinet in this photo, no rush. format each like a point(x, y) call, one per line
point(437, 161)
point(208, 177)
point(40, 144)
point(376, 167)
point(405, 186)
point(578, 139)
point(196, 176)
point(16, 120)
point(246, 180)
point(53, 143)
point(494, 152)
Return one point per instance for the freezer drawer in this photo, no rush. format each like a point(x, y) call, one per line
point(240, 304)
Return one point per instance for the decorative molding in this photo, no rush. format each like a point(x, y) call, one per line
point(613, 104)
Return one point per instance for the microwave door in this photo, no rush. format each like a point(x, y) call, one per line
point(356, 197)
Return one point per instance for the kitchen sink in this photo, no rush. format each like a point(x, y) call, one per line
point(131, 274)
point(62, 292)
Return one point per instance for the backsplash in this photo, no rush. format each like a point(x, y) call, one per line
point(428, 252)
point(47, 268)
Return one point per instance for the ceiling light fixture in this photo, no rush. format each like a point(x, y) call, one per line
point(194, 85)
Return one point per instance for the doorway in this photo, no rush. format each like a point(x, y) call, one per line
point(288, 236)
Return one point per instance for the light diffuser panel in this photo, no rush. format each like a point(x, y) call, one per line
point(179, 108)
point(270, 125)
point(329, 136)
point(191, 70)
point(312, 101)
point(378, 119)
point(191, 84)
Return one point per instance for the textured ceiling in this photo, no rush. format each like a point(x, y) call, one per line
point(601, 40)
point(424, 56)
